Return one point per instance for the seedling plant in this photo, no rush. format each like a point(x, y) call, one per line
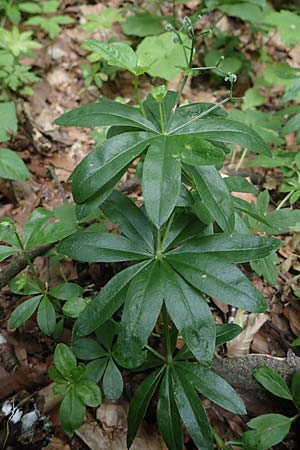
point(180, 248)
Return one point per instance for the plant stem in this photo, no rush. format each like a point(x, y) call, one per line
point(161, 118)
point(154, 352)
point(167, 231)
point(169, 358)
point(138, 97)
point(241, 159)
point(29, 262)
point(284, 200)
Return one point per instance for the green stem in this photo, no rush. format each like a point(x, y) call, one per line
point(161, 118)
point(283, 201)
point(137, 96)
point(169, 358)
point(241, 159)
point(167, 231)
point(29, 262)
point(155, 352)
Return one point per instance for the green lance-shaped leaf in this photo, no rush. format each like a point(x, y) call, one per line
point(6, 251)
point(46, 317)
point(231, 248)
point(168, 419)
point(23, 312)
point(161, 180)
point(112, 382)
point(88, 349)
point(104, 163)
point(273, 382)
point(106, 303)
point(101, 247)
point(140, 403)
point(192, 412)
point(214, 192)
point(213, 387)
point(142, 306)
point(195, 151)
point(71, 411)
point(105, 113)
point(221, 129)
point(152, 108)
point(64, 359)
point(191, 314)
point(185, 113)
point(219, 280)
point(92, 203)
point(132, 221)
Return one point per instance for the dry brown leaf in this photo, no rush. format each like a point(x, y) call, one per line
point(241, 344)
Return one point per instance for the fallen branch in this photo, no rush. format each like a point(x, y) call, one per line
point(239, 371)
point(19, 263)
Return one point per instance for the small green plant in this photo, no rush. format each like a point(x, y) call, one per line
point(270, 429)
point(48, 20)
point(77, 390)
point(180, 247)
point(14, 75)
point(13, 9)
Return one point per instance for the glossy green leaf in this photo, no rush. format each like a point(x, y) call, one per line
point(140, 403)
point(23, 285)
point(168, 419)
point(65, 291)
point(88, 392)
point(118, 54)
point(225, 332)
point(195, 151)
point(83, 210)
point(191, 314)
point(213, 387)
point(192, 412)
point(64, 359)
point(213, 191)
point(105, 113)
point(142, 306)
point(74, 306)
point(231, 248)
point(112, 382)
point(101, 247)
point(46, 317)
point(295, 388)
point(6, 251)
point(132, 221)
point(95, 369)
point(221, 129)
point(106, 333)
point(269, 430)
point(12, 166)
point(154, 109)
point(219, 280)
point(105, 304)
point(240, 184)
point(71, 412)
point(101, 165)
point(273, 382)
point(161, 180)
point(87, 349)
point(23, 312)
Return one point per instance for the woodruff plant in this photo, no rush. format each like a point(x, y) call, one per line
point(180, 246)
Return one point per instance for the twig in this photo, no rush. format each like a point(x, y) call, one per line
point(19, 263)
point(58, 184)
